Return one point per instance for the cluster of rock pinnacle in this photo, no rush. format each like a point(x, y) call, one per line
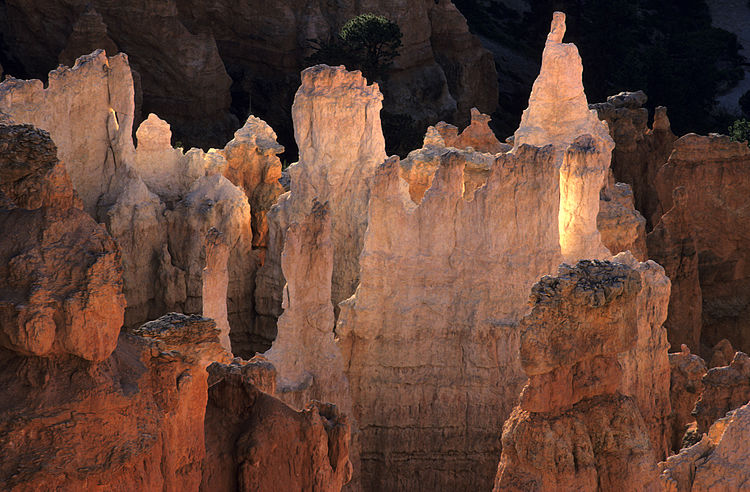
point(479, 315)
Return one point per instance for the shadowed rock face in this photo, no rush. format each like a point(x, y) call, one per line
point(724, 389)
point(256, 442)
point(685, 388)
point(559, 437)
point(639, 150)
point(714, 174)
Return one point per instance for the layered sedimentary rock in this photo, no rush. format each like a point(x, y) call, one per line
point(715, 174)
point(639, 150)
point(724, 389)
point(685, 388)
point(717, 462)
point(337, 126)
point(672, 244)
point(215, 280)
point(256, 442)
point(558, 114)
point(431, 332)
point(562, 434)
point(645, 364)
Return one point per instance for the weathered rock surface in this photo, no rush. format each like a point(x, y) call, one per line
point(215, 279)
point(130, 422)
point(717, 462)
point(645, 365)
point(88, 112)
point(558, 114)
point(715, 174)
point(724, 389)
point(337, 126)
point(685, 388)
point(621, 226)
point(431, 330)
point(478, 135)
point(256, 442)
point(31, 176)
point(639, 150)
point(562, 434)
point(672, 244)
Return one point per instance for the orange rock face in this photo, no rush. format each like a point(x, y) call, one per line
point(560, 437)
point(724, 389)
point(256, 443)
point(685, 388)
point(707, 168)
point(131, 422)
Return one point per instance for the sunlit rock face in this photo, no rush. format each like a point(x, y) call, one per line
point(88, 112)
point(562, 434)
point(717, 462)
point(158, 202)
point(478, 135)
point(724, 389)
point(337, 127)
point(709, 167)
point(558, 114)
point(431, 332)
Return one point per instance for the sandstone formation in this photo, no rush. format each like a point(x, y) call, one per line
point(88, 112)
point(573, 429)
point(717, 462)
point(478, 135)
point(257, 443)
point(215, 277)
point(715, 174)
point(639, 150)
point(722, 354)
point(645, 364)
point(122, 422)
point(558, 115)
point(685, 388)
point(337, 126)
point(60, 270)
point(672, 244)
point(158, 202)
point(447, 265)
point(724, 389)
point(309, 363)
